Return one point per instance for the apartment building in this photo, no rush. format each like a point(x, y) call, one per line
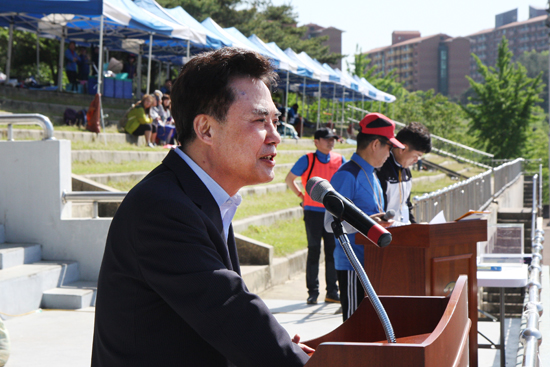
point(334, 41)
point(437, 62)
point(531, 34)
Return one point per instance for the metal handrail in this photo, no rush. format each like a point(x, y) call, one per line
point(475, 193)
point(531, 337)
point(93, 196)
point(26, 118)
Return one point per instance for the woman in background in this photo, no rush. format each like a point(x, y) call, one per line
point(140, 121)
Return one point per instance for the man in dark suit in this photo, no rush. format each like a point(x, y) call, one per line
point(170, 291)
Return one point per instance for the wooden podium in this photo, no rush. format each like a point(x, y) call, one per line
point(425, 260)
point(430, 332)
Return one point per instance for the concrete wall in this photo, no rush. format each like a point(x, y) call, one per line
point(33, 175)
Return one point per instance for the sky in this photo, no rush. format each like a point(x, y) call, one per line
point(369, 24)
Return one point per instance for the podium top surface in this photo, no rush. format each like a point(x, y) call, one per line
point(429, 235)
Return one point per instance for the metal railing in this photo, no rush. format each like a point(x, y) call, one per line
point(26, 118)
point(531, 336)
point(475, 193)
point(93, 196)
point(447, 147)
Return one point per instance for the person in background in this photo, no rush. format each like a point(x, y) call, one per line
point(295, 119)
point(157, 114)
point(170, 291)
point(395, 175)
point(83, 65)
point(322, 163)
point(130, 67)
point(167, 87)
point(95, 60)
point(357, 181)
point(71, 58)
point(166, 128)
point(140, 121)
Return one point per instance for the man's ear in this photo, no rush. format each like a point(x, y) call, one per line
point(203, 128)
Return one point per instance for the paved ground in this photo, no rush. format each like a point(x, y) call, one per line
point(63, 338)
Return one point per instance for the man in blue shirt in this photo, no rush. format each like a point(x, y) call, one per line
point(71, 58)
point(357, 181)
point(323, 163)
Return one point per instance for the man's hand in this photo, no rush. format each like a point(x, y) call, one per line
point(305, 348)
point(378, 219)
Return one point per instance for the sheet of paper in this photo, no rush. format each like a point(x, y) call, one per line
point(439, 218)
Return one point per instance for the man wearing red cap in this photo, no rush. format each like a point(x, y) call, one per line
point(357, 181)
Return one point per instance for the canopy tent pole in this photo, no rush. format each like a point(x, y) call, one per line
point(343, 111)
point(100, 78)
point(362, 101)
point(10, 43)
point(149, 62)
point(160, 74)
point(319, 107)
point(188, 50)
point(139, 66)
point(61, 60)
point(303, 109)
point(168, 70)
point(286, 103)
point(106, 58)
point(37, 56)
point(333, 102)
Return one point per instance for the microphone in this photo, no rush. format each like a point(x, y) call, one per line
point(389, 215)
point(321, 191)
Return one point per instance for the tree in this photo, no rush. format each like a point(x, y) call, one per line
point(535, 63)
point(502, 108)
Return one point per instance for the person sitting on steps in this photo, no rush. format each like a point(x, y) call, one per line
point(140, 121)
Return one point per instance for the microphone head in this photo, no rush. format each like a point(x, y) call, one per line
point(317, 188)
point(389, 215)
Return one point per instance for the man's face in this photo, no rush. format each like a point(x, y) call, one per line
point(381, 153)
point(408, 156)
point(245, 145)
point(324, 145)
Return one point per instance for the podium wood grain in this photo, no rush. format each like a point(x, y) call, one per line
point(430, 331)
point(425, 260)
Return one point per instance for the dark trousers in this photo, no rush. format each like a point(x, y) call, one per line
point(351, 292)
point(315, 230)
point(73, 80)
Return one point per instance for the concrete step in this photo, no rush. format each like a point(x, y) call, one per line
point(21, 287)
point(72, 296)
point(514, 214)
point(15, 254)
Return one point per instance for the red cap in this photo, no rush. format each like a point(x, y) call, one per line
point(378, 124)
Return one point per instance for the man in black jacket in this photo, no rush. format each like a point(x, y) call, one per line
point(170, 291)
point(395, 175)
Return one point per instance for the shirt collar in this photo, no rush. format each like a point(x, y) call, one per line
point(323, 158)
point(395, 160)
point(363, 163)
point(220, 196)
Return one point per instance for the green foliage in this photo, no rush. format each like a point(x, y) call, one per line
point(23, 64)
point(502, 110)
point(535, 63)
point(441, 116)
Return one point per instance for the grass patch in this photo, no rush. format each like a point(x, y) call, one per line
point(122, 185)
point(286, 236)
point(425, 187)
point(271, 202)
point(93, 167)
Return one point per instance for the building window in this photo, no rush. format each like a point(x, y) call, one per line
point(443, 75)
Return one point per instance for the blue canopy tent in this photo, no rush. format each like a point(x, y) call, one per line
point(222, 34)
point(234, 32)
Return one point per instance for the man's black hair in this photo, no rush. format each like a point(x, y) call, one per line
point(416, 136)
point(204, 85)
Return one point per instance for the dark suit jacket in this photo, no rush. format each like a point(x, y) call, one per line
point(170, 291)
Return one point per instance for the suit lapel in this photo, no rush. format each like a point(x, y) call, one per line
point(195, 189)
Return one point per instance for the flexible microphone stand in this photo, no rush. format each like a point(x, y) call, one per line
point(338, 230)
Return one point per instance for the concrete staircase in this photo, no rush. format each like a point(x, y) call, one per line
point(28, 283)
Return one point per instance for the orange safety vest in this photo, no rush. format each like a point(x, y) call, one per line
point(316, 168)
